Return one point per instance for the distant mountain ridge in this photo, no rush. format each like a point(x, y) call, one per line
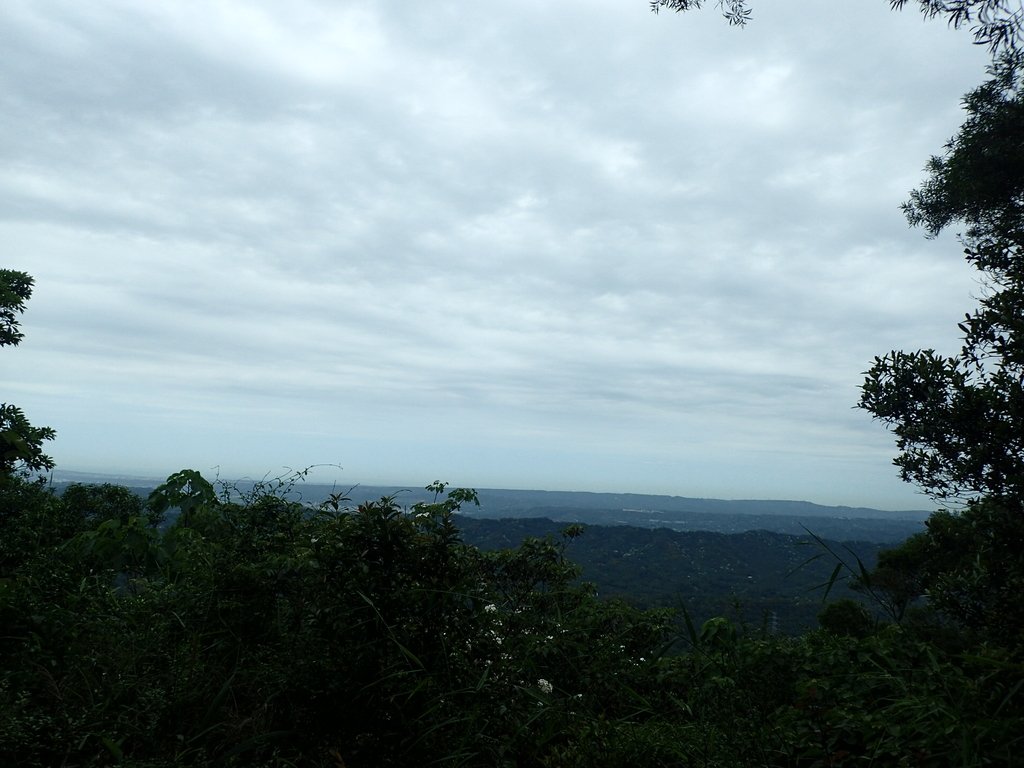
point(680, 513)
point(644, 503)
point(594, 508)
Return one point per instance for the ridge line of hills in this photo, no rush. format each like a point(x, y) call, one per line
point(678, 513)
point(495, 501)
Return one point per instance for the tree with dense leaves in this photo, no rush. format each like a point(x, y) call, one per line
point(15, 290)
point(980, 180)
point(959, 420)
point(996, 24)
point(20, 442)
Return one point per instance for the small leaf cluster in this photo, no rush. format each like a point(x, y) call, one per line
point(996, 24)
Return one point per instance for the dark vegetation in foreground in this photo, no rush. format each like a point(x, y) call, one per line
point(756, 577)
point(256, 631)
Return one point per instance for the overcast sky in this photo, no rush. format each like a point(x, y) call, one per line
point(571, 246)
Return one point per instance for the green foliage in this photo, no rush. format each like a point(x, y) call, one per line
point(266, 629)
point(754, 578)
point(15, 291)
point(36, 523)
point(846, 618)
point(980, 179)
point(972, 567)
point(996, 24)
point(897, 580)
point(255, 630)
point(97, 504)
point(33, 521)
point(20, 442)
point(952, 423)
point(735, 12)
point(959, 420)
point(186, 491)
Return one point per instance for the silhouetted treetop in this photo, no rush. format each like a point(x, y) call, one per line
point(997, 24)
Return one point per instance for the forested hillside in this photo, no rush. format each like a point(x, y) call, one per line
point(889, 530)
point(758, 578)
point(207, 624)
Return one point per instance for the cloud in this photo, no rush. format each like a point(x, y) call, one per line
point(528, 241)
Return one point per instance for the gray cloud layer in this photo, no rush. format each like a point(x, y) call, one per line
point(572, 246)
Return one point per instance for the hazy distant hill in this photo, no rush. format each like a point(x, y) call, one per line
point(644, 511)
point(679, 513)
point(496, 502)
point(840, 528)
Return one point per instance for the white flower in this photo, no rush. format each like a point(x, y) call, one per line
point(490, 608)
point(545, 686)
